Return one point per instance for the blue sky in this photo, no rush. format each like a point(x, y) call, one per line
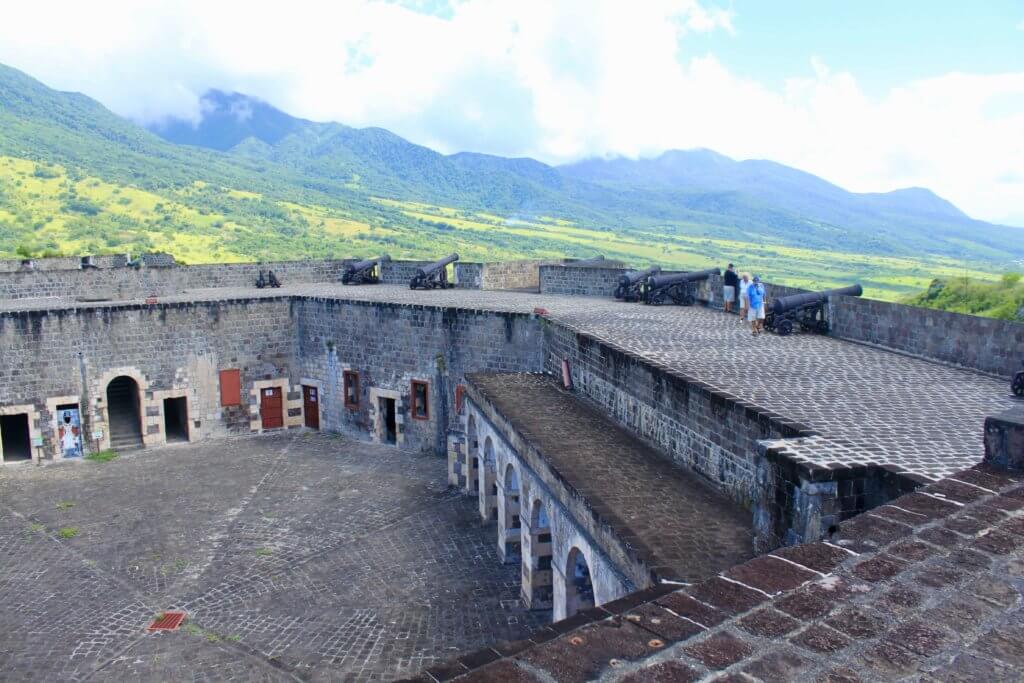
point(885, 44)
point(870, 95)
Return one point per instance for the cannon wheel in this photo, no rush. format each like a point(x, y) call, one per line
point(822, 327)
point(784, 327)
point(1018, 384)
point(620, 292)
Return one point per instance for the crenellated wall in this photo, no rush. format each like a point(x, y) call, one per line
point(579, 280)
point(118, 284)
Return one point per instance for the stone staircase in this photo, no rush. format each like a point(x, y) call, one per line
point(125, 427)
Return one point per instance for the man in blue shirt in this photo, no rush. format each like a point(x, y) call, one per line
point(756, 296)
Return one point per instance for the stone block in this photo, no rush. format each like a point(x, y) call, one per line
point(1004, 440)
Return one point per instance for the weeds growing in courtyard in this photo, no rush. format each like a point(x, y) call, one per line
point(36, 527)
point(102, 456)
point(68, 532)
point(65, 505)
point(264, 552)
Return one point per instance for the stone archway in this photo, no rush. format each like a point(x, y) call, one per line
point(510, 531)
point(488, 484)
point(579, 590)
point(124, 413)
point(538, 590)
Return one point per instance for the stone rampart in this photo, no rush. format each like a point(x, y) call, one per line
point(579, 280)
point(523, 274)
point(703, 430)
point(128, 283)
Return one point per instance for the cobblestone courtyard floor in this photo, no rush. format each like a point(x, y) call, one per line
point(301, 556)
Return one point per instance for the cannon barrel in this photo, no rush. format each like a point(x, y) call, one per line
point(366, 264)
point(630, 279)
point(788, 303)
point(656, 281)
point(596, 261)
point(424, 271)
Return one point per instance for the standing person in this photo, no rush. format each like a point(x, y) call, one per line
point(756, 297)
point(732, 282)
point(744, 300)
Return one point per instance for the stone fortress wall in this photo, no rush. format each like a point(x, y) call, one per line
point(391, 345)
point(292, 343)
point(64, 357)
point(987, 345)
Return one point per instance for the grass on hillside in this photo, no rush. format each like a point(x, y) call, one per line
point(49, 210)
point(1003, 299)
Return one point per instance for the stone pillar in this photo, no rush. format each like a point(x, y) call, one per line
point(1004, 440)
point(488, 495)
point(457, 469)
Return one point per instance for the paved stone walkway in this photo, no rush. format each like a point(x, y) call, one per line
point(300, 556)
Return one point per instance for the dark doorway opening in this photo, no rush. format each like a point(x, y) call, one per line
point(124, 412)
point(14, 437)
point(311, 406)
point(387, 407)
point(271, 408)
point(176, 419)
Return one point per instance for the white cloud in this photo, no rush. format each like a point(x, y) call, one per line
point(557, 81)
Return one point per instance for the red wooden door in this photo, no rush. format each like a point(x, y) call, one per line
point(271, 408)
point(311, 406)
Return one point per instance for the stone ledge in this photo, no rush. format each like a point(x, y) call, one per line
point(881, 598)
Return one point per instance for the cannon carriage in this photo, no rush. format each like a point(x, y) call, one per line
point(433, 276)
point(366, 272)
point(806, 310)
point(678, 288)
point(1017, 384)
point(630, 284)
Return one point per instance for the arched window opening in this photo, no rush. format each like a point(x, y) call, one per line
point(579, 591)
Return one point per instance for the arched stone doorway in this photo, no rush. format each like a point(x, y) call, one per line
point(538, 593)
point(488, 486)
point(510, 530)
point(472, 457)
point(579, 591)
point(124, 413)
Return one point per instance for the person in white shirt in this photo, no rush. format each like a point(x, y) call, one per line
point(744, 300)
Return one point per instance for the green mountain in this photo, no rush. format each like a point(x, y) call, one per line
point(757, 198)
point(251, 182)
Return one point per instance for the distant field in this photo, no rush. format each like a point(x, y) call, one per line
point(45, 209)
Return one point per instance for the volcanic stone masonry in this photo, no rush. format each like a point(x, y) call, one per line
point(562, 415)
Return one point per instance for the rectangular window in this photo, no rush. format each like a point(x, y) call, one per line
point(460, 391)
point(230, 388)
point(420, 400)
point(350, 378)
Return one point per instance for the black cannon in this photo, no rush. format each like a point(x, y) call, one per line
point(365, 272)
point(596, 261)
point(805, 310)
point(630, 283)
point(433, 276)
point(677, 288)
point(1018, 384)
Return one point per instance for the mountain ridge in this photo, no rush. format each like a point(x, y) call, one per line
point(280, 179)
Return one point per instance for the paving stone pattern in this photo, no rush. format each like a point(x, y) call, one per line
point(929, 588)
point(297, 557)
point(689, 531)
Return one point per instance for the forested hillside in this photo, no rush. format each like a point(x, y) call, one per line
point(75, 178)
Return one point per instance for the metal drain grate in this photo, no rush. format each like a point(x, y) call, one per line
point(168, 621)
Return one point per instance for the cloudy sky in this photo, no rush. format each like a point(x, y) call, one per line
point(870, 94)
